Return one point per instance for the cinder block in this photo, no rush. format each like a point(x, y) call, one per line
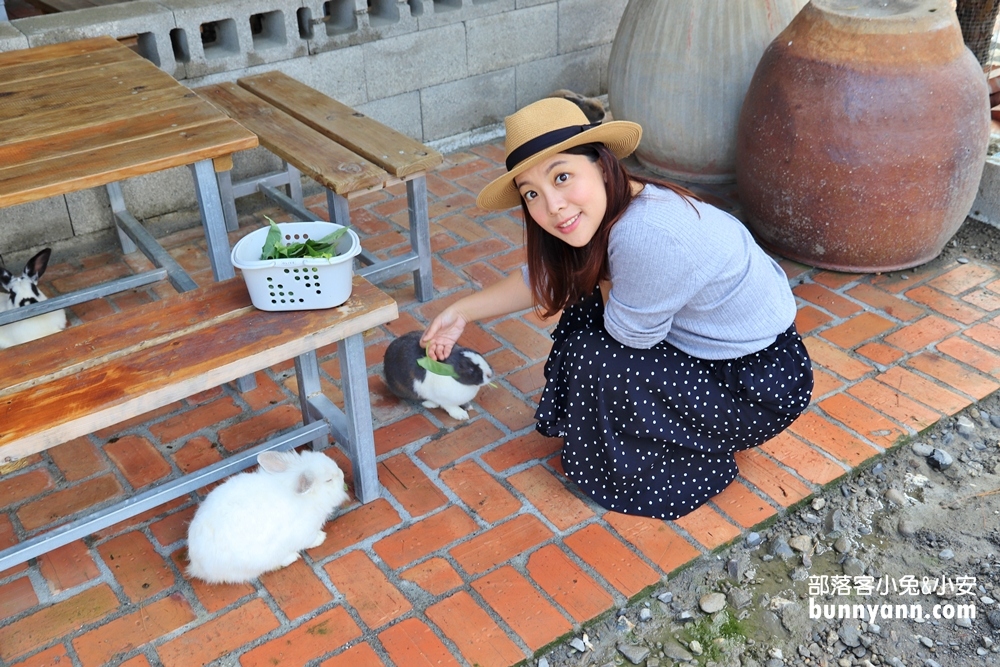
point(213, 37)
point(161, 192)
point(11, 39)
point(436, 13)
point(89, 211)
point(587, 23)
point(414, 61)
point(580, 71)
point(333, 73)
point(464, 105)
point(334, 24)
point(504, 40)
point(34, 225)
point(401, 113)
point(521, 4)
point(986, 207)
point(148, 21)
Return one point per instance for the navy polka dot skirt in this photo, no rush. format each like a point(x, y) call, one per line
point(653, 432)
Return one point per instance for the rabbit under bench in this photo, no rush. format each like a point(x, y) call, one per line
point(22, 290)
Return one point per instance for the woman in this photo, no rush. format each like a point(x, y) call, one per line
point(676, 346)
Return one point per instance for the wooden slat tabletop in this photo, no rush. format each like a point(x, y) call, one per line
point(223, 338)
point(87, 113)
point(365, 136)
point(334, 167)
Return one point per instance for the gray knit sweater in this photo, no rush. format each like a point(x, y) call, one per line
point(701, 283)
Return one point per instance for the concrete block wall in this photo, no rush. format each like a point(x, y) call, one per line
point(445, 72)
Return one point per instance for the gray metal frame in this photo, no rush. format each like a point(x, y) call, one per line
point(351, 427)
point(417, 260)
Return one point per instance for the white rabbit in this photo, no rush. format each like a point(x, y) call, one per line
point(407, 379)
point(21, 291)
point(259, 521)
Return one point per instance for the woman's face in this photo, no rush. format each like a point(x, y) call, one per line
point(565, 195)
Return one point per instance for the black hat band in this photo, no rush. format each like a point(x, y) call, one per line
point(543, 141)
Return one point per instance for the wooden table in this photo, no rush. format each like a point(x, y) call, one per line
point(92, 113)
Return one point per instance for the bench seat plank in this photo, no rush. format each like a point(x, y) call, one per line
point(315, 155)
point(395, 152)
point(237, 339)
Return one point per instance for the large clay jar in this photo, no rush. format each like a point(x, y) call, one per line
point(863, 135)
point(680, 69)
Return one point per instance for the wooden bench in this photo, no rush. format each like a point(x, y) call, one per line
point(343, 150)
point(103, 372)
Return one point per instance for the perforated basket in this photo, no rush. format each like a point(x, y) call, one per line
point(304, 283)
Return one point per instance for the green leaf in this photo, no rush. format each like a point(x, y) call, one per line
point(437, 367)
point(272, 241)
point(334, 236)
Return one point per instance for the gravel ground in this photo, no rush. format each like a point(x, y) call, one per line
point(923, 523)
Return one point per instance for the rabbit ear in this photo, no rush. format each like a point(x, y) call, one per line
point(6, 277)
point(36, 265)
point(275, 462)
point(304, 482)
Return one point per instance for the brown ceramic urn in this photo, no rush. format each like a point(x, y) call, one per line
point(863, 135)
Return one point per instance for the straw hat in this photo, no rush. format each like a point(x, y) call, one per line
point(542, 129)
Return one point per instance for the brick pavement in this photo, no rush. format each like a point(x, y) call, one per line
point(479, 551)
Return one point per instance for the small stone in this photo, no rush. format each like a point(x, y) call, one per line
point(895, 496)
point(776, 653)
point(665, 598)
point(963, 622)
point(800, 543)
point(960, 260)
point(931, 663)
point(940, 459)
point(652, 662)
point(675, 651)
point(712, 603)
point(739, 598)
point(853, 567)
point(982, 651)
point(927, 641)
point(811, 518)
point(995, 420)
point(965, 426)
point(994, 618)
point(850, 635)
point(818, 503)
point(645, 614)
point(634, 654)
point(987, 600)
point(695, 647)
point(779, 547)
point(753, 539)
point(920, 449)
point(986, 641)
point(834, 522)
point(578, 644)
point(874, 628)
point(946, 554)
point(844, 662)
point(543, 662)
point(842, 545)
point(774, 662)
point(907, 527)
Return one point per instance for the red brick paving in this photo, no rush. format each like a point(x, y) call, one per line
point(479, 550)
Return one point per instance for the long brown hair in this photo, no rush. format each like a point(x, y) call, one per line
point(560, 274)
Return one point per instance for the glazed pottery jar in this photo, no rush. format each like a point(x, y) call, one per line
point(680, 69)
point(863, 135)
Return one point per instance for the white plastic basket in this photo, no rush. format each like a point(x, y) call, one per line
point(304, 283)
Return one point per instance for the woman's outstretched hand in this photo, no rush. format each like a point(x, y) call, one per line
point(443, 333)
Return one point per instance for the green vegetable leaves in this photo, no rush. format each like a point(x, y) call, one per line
point(436, 367)
point(324, 248)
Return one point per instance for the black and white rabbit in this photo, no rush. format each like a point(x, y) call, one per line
point(22, 291)
point(259, 521)
point(407, 379)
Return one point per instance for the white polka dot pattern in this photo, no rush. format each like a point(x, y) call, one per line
point(653, 432)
